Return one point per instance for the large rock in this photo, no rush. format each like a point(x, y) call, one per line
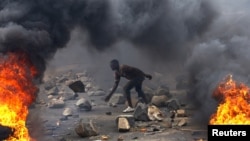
point(67, 112)
point(77, 86)
point(159, 100)
point(67, 93)
point(86, 129)
point(154, 113)
point(83, 104)
point(48, 85)
point(140, 113)
point(125, 122)
point(53, 91)
point(163, 90)
point(172, 104)
point(149, 93)
point(56, 103)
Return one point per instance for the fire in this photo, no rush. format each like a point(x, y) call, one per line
point(234, 106)
point(17, 92)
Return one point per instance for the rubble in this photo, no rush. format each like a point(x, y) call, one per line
point(83, 104)
point(159, 100)
point(165, 114)
point(181, 113)
point(67, 112)
point(141, 112)
point(154, 113)
point(125, 122)
point(86, 129)
point(56, 103)
point(77, 86)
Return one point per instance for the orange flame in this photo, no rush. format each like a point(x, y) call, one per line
point(17, 92)
point(234, 106)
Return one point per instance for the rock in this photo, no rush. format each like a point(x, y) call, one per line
point(166, 123)
point(87, 129)
point(125, 122)
point(181, 113)
point(182, 122)
point(56, 103)
point(77, 86)
point(83, 104)
point(154, 113)
point(62, 79)
point(50, 96)
point(140, 113)
point(97, 93)
point(67, 112)
point(163, 91)
point(67, 93)
point(48, 85)
point(172, 104)
point(159, 100)
point(53, 91)
point(88, 87)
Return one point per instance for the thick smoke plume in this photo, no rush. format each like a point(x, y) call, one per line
point(223, 50)
point(162, 27)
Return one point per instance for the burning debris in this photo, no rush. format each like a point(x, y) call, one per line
point(234, 103)
point(6, 132)
point(17, 92)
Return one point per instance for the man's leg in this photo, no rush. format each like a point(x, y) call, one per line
point(127, 88)
point(141, 94)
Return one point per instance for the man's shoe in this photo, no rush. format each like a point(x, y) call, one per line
point(128, 109)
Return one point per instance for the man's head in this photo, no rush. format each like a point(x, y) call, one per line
point(114, 64)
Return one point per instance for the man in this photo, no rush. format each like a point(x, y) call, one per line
point(135, 77)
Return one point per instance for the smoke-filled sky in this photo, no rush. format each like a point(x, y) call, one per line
point(204, 38)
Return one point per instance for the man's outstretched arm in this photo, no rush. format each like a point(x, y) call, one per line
point(113, 90)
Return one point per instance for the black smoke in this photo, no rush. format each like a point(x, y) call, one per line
point(162, 27)
point(223, 50)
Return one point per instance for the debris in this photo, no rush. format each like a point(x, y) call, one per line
point(120, 138)
point(67, 112)
point(154, 113)
point(181, 113)
point(104, 137)
point(83, 104)
point(56, 103)
point(159, 100)
point(86, 129)
point(182, 122)
point(140, 113)
point(77, 86)
point(108, 113)
point(125, 122)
